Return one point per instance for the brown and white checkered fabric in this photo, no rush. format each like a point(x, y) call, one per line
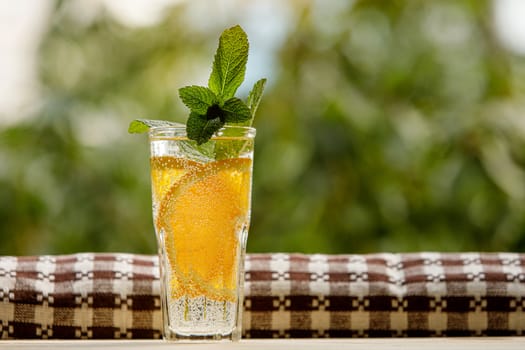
point(287, 295)
point(385, 295)
point(80, 296)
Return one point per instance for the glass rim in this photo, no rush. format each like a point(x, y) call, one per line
point(180, 132)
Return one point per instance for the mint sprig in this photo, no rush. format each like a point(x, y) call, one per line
point(215, 106)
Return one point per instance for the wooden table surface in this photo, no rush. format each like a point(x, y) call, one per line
point(511, 343)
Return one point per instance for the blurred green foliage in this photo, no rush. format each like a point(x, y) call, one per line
point(387, 126)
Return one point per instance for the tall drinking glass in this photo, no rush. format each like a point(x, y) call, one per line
point(201, 211)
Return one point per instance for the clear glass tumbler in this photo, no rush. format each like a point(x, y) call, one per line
point(201, 211)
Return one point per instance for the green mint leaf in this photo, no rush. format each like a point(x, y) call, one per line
point(200, 128)
point(197, 98)
point(235, 111)
point(229, 64)
point(139, 126)
point(254, 97)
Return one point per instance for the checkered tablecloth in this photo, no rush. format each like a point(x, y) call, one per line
point(287, 295)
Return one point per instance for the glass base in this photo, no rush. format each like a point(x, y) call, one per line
point(174, 336)
point(202, 319)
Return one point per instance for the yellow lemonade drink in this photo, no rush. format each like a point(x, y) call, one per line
point(201, 212)
point(201, 176)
